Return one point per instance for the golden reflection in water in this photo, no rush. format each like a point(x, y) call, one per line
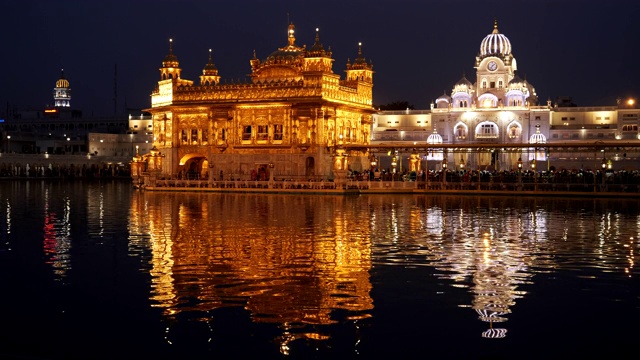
point(284, 260)
point(293, 261)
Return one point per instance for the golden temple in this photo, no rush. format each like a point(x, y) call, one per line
point(289, 121)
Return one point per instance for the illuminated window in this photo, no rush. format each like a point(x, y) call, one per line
point(277, 132)
point(263, 132)
point(205, 136)
point(246, 133)
point(484, 84)
point(487, 130)
point(514, 131)
point(628, 128)
point(500, 84)
point(184, 136)
point(194, 136)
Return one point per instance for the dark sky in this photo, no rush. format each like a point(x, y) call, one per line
point(419, 48)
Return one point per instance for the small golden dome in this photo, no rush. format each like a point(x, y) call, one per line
point(62, 82)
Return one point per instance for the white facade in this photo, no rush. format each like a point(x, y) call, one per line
point(500, 109)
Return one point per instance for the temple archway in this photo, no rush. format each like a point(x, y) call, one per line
point(193, 167)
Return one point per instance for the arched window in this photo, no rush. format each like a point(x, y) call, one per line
point(486, 130)
point(514, 131)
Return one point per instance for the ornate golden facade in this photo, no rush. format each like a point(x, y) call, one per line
point(288, 120)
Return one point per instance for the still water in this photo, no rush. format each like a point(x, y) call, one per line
point(100, 270)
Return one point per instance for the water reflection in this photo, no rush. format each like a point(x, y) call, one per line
point(287, 260)
point(57, 235)
point(304, 262)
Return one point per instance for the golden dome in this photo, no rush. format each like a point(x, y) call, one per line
point(62, 82)
point(170, 60)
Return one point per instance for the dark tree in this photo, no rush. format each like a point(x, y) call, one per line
point(397, 105)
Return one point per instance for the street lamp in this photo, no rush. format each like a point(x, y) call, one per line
point(520, 172)
point(535, 177)
point(444, 170)
point(8, 143)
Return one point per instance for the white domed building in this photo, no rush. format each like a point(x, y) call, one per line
point(478, 120)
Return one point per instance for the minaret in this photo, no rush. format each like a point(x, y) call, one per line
point(62, 92)
point(209, 73)
point(170, 66)
point(360, 70)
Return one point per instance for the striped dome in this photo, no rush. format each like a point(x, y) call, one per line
point(538, 137)
point(495, 44)
point(434, 138)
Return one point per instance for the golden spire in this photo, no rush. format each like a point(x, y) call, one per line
point(170, 60)
point(210, 67)
point(291, 34)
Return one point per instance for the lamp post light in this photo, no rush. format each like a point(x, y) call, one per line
point(444, 171)
point(426, 169)
point(519, 172)
point(535, 177)
point(604, 172)
point(372, 170)
point(8, 143)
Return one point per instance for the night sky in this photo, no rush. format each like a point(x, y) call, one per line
point(419, 48)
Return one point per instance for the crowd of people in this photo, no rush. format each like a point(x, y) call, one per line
point(627, 180)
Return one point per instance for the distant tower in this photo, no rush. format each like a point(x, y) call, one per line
point(62, 92)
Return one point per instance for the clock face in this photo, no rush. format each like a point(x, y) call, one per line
point(492, 66)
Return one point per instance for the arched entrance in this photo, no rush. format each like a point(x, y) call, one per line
point(309, 167)
point(193, 167)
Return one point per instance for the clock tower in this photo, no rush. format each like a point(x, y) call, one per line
point(495, 68)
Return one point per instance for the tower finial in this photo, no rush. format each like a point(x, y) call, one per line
point(291, 34)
